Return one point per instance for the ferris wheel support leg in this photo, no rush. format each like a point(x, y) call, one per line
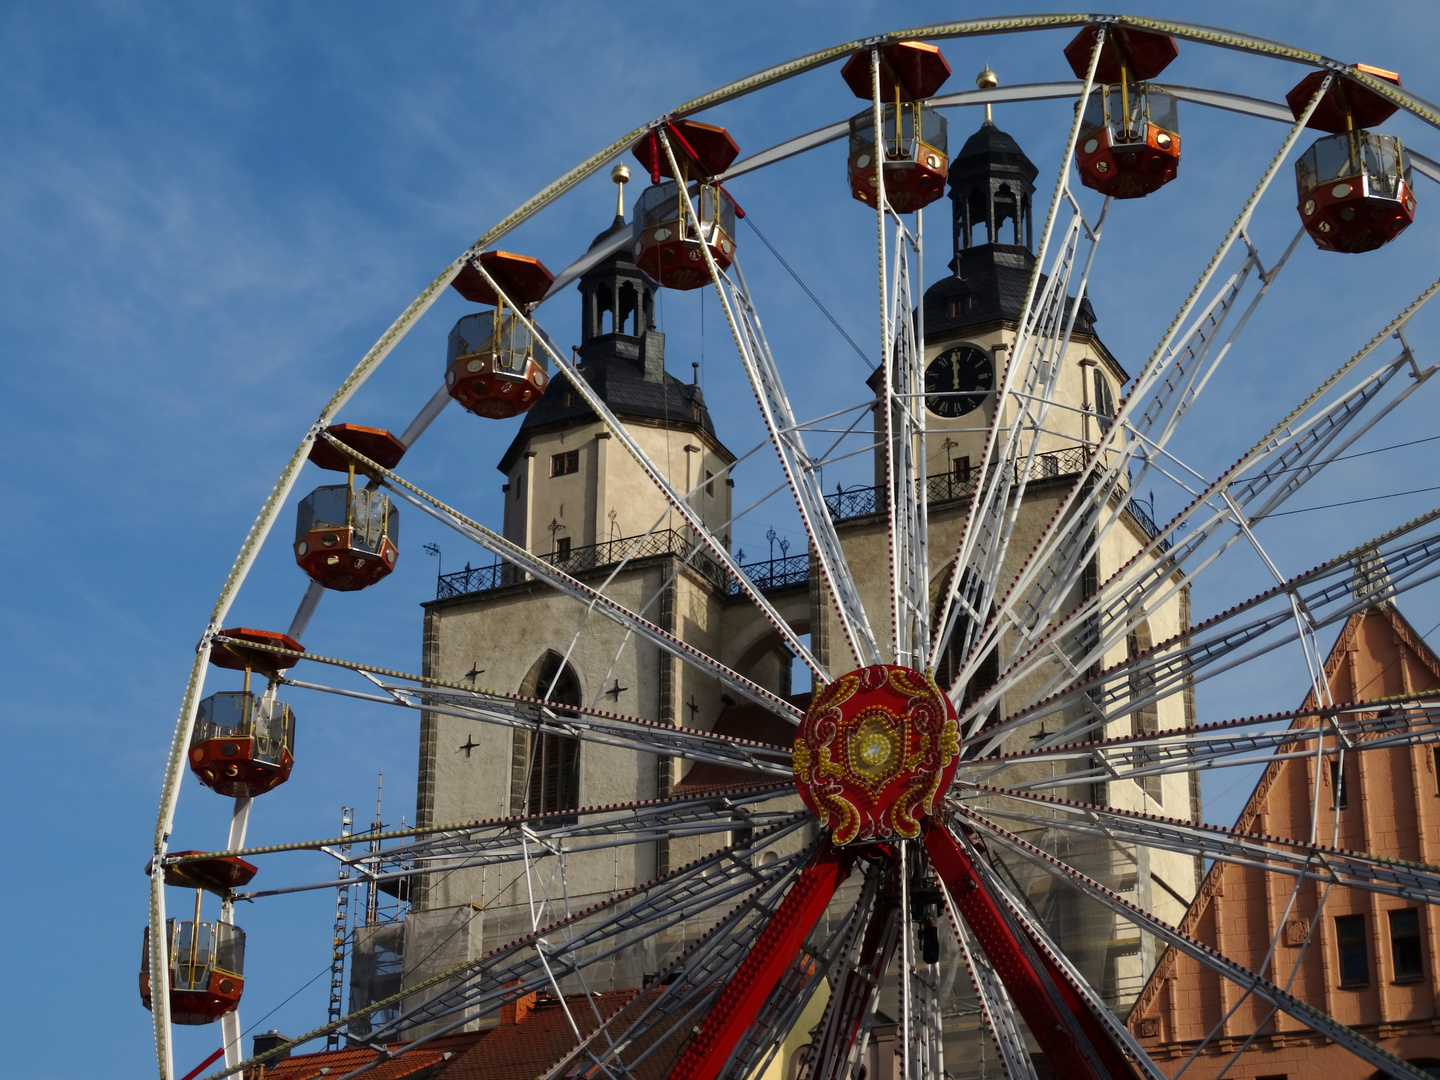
point(737, 1007)
point(1056, 1015)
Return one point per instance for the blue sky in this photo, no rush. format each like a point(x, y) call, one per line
point(208, 213)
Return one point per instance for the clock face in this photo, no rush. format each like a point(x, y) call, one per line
point(958, 381)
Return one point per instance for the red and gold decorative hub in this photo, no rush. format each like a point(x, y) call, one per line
point(875, 751)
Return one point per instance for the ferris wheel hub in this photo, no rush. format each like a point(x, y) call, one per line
point(875, 751)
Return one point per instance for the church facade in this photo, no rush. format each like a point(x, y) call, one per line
point(575, 497)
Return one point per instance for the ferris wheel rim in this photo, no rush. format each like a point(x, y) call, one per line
point(289, 475)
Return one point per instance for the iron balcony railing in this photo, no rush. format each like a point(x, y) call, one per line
point(578, 560)
point(855, 502)
point(775, 573)
point(766, 574)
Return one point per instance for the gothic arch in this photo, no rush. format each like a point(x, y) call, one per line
point(544, 766)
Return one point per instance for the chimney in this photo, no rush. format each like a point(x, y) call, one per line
point(267, 1041)
point(515, 1011)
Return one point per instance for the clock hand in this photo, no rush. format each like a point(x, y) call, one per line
point(955, 371)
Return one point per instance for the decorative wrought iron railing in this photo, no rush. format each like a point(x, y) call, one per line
point(855, 502)
point(578, 560)
point(775, 573)
point(844, 503)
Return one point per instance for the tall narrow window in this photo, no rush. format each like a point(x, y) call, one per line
point(1145, 717)
point(519, 485)
point(1104, 401)
point(1437, 770)
point(562, 548)
point(544, 765)
point(1352, 950)
point(1337, 786)
point(1406, 951)
point(709, 482)
point(960, 467)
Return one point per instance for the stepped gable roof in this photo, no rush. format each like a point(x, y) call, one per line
point(1377, 645)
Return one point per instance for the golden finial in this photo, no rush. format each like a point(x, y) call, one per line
point(987, 80)
point(619, 174)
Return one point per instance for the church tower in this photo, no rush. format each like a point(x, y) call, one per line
point(576, 498)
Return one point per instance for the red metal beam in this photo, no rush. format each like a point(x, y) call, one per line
point(762, 969)
point(1033, 992)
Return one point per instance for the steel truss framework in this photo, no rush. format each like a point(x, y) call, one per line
point(781, 922)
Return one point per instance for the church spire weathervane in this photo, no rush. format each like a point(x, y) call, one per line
point(987, 80)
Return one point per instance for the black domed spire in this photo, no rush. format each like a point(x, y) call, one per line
point(992, 183)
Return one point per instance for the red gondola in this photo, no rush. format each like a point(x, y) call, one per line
point(915, 145)
point(1130, 133)
point(491, 366)
point(667, 244)
point(205, 969)
point(1354, 185)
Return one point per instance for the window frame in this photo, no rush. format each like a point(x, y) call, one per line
point(1415, 973)
point(1351, 940)
point(565, 463)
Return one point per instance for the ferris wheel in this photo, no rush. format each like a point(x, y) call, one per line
point(999, 640)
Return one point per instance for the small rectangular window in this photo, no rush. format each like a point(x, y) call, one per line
point(709, 482)
point(562, 547)
point(1337, 786)
point(1405, 946)
point(519, 485)
point(1352, 950)
point(960, 469)
point(565, 462)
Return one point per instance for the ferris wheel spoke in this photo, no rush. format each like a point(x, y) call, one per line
point(1063, 522)
point(656, 1023)
point(1276, 467)
point(479, 986)
point(850, 1012)
point(782, 1009)
point(562, 582)
point(1030, 369)
point(1297, 859)
point(785, 435)
point(1075, 1032)
point(678, 503)
point(996, 1008)
point(1241, 976)
point(1174, 383)
point(1036, 357)
point(524, 711)
point(529, 838)
point(1360, 578)
point(785, 933)
point(800, 469)
point(1400, 721)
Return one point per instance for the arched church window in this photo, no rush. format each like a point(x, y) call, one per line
point(545, 766)
point(1145, 718)
point(1006, 209)
point(1104, 400)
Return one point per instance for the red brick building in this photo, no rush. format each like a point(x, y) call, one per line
point(1372, 961)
